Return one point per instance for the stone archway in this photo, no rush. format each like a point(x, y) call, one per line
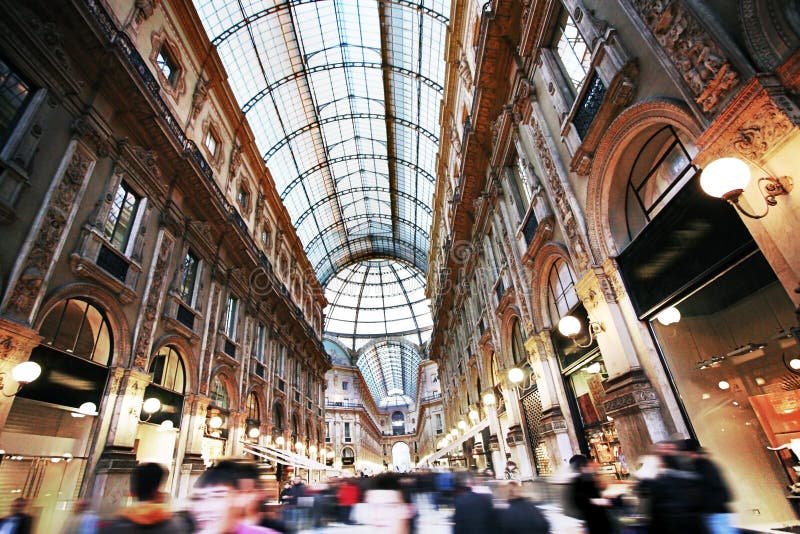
point(401, 457)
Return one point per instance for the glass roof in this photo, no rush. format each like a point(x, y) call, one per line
point(390, 370)
point(377, 298)
point(343, 98)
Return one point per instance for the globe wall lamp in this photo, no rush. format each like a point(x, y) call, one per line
point(149, 407)
point(726, 178)
point(462, 425)
point(489, 399)
point(312, 450)
point(23, 374)
point(253, 432)
point(87, 408)
point(215, 422)
point(516, 375)
point(299, 447)
point(570, 327)
point(279, 441)
point(473, 415)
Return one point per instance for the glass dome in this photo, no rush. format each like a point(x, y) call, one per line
point(390, 369)
point(377, 299)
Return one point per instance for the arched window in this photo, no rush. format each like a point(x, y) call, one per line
point(517, 343)
point(167, 371)
point(295, 428)
point(76, 327)
point(253, 412)
point(561, 294)
point(219, 394)
point(662, 163)
point(277, 416)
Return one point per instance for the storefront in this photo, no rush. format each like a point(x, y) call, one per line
point(584, 373)
point(727, 334)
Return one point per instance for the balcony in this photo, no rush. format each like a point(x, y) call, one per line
point(590, 105)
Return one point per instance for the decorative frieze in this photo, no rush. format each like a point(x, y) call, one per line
point(700, 61)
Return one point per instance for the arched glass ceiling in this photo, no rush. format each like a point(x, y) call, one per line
point(377, 298)
point(390, 370)
point(343, 97)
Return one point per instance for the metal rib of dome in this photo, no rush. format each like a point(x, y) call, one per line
point(390, 370)
point(377, 299)
point(343, 98)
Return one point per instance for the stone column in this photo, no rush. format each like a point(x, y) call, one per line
point(190, 461)
point(630, 398)
point(236, 432)
point(495, 445)
point(112, 481)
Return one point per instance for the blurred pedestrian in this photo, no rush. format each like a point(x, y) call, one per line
point(149, 513)
point(474, 512)
point(714, 494)
point(673, 496)
point(17, 522)
point(82, 520)
point(521, 516)
point(286, 493)
point(223, 496)
point(348, 496)
point(585, 497)
point(511, 472)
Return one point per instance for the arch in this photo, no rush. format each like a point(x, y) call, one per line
point(108, 304)
point(548, 255)
point(507, 321)
point(191, 371)
point(170, 374)
point(253, 405)
point(401, 456)
point(278, 416)
point(224, 373)
point(604, 180)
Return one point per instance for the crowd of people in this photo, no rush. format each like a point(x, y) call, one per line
point(677, 490)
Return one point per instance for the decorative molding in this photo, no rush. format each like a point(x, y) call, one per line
point(200, 96)
point(177, 90)
point(48, 239)
point(701, 62)
point(629, 393)
point(769, 36)
point(573, 234)
point(757, 121)
point(154, 297)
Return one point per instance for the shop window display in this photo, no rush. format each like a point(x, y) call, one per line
point(730, 350)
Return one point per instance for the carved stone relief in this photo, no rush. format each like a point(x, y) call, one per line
point(208, 356)
point(49, 236)
point(159, 276)
point(573, 235)
point(700, 61)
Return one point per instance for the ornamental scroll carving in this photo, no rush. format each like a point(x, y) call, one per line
point(767, 126)
point(701, 63)
point(210, 342)
point(572, 232)
point(159, 277)
point(51, 232)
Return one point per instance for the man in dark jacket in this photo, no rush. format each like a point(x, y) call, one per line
point(150, 514)
point(714, 494)
point(585, 496)
point(474, 512)
point(521, 516)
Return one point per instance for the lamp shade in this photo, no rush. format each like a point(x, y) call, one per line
point(516, 375)
point(668, 316)
point(723, 176)
point(569, 326)
point(489, 399)
point(26, 372)
point(151, 405)
point(88, 408)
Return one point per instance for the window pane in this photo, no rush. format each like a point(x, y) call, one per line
point(121, 217)
point(571, 49)
point(188, 277)
point(13, 94)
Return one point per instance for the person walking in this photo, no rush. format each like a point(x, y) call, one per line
point(348, 496)
point(714, 495)
point(17, 522)
point(585, 497)
point(150, 513)
point(474, 512)
point(521, 516)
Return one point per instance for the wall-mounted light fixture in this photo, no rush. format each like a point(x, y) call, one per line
point(570, 327)
point(516, 375)
point(23, 374)
point(489, 399)
point(253, 432)
point(668, 316)
point(149, 407)
point(792, 363)
point(279, 441)
point(726, 178)
point(462, 425)
point(474, 416)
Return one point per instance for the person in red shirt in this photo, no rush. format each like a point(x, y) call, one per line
point(348, 496)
